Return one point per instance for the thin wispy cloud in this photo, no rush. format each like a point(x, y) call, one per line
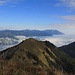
point(69, 17)
point(3, 2)
point(67, 3)
point(67, 28)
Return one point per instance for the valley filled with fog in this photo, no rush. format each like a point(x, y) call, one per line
point(58, 40)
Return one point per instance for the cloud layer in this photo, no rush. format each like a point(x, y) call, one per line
point(60, 40)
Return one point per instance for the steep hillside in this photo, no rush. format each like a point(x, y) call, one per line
point(69, 49)
point(38, 54)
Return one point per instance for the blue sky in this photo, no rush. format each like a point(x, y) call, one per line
point(38, 14)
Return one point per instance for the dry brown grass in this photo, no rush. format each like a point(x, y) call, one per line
point(12, 68)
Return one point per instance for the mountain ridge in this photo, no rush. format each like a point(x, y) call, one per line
point(69, 49)
point(41, 53)
point(12, 33)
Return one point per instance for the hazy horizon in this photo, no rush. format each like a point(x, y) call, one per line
point(38, 14)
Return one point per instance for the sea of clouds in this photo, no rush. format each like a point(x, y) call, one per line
point(58, 40)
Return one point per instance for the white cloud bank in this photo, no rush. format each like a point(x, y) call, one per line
point(60, 40)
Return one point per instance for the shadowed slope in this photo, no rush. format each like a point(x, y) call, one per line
point(69, 49)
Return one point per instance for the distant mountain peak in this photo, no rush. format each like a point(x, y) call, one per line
point(27, 32)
